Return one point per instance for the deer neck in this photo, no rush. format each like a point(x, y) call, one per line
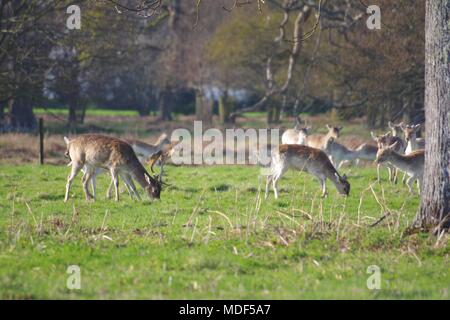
point(412, 144)
point(138, 172)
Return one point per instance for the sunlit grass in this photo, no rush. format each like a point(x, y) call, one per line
point(213, 235)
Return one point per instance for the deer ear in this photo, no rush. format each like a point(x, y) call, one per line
point(374, 137)
point(328, 126)
point(390, 125)
point(417, 126)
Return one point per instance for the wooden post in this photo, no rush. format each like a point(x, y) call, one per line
point(41, 141)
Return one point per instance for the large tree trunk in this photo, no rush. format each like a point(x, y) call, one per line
point(435, 196)
point(21, 116)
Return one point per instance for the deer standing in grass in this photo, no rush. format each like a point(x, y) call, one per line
point(297, 135)
point(145, 153)
point(411, 163)
point(93, 151)
point(387, 140)
point(338, 153)
point(412, 142)
point(318, 141)
point(304, 158)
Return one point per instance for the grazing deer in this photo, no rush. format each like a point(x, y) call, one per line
point(94, 151)
point(387, 140)
point(297, 135)
point(412, 163)
point(304, 158)
point(318, 141)
point(145, 152)
point(339, 153)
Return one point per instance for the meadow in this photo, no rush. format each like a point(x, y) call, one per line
point(212, 235)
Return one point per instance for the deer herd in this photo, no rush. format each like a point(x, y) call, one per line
point(319, 155)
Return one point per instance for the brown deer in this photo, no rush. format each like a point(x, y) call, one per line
point(93, 151)
point(318, 141)
point(387, 140)
point(412, 164)
point(297, 135)
point(304, 158)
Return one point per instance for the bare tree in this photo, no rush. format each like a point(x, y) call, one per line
point(435, 200)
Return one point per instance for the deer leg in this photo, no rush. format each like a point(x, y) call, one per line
point(115, 178)
point(110, 187)
point(410, 183)
point(86, 178)
point(268, 181)
point(94, 185)
point(323, 183)
point(76, 167)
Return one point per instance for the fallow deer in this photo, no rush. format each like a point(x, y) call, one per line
point(94, 151)
point(338, 153)
point(318, 141)
point(396, 129)
point(304, 158)
point(297, 135)
point(411, 163)
point(387, 140)
point(412, 142)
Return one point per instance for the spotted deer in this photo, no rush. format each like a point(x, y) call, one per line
point(93, 151)
point(304, 158)
point(297, 135)
point(318, 141)
point(411, 163)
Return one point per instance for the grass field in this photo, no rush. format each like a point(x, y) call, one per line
point(212, 236)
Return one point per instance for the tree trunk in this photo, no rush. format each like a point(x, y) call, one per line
point(225, 108)
point(21, 116)
point(165, 106)
point(72, 113)
point(203, 107)
point(435, 196)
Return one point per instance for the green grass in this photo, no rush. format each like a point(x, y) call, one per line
point(89, 112)
point(210, 236)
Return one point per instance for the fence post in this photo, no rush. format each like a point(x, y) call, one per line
point(41, 141)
